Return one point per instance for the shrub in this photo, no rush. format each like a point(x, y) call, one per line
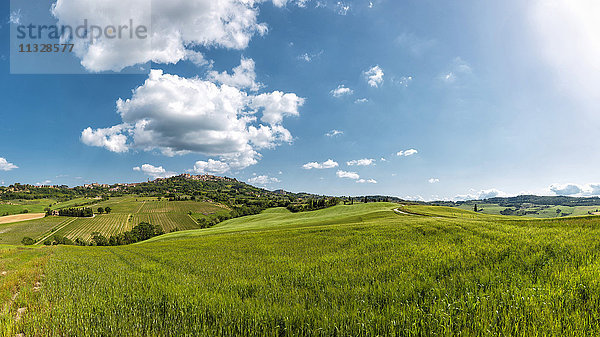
point(27, 241)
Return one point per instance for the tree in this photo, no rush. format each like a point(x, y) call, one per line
point(100, 210)
point(99, 239)
point(27, 241)
point(475, 208)
point(107, 210)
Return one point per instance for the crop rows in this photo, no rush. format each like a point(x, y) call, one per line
point(168, 221)
point(107, 224)
point(164, 206)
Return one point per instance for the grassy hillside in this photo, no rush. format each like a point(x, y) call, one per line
point(359, 270)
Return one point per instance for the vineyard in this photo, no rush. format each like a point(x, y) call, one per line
point(168, 221)
point(107, 224)
point(165, 206)
point(15, 232)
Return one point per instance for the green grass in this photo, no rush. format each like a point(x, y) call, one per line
point(359, 270)
point(20, 271)
point(12, 234)
point(11, 207)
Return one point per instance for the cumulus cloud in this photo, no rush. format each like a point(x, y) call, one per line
point(320, 166)
point(346, 174)
point(585, 190)
point(407, 153)
point(154, 171)
point(111, 138)
point(210, 166)
point(361, 162)
point(361, 100)
point(263, 180)
point(374, 76)
point(6, 166)
point(433, 180)
point(177, 115)
point(480, 195)
point(175, 28)
point(334, 133)
point(566, 189)
point(367, 181)
point(243, 77)
point(340, 91)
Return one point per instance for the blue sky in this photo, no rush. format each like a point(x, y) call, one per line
point(496, 99)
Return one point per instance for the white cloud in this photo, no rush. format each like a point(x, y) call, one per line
point(308, 57)
point(176, 27)
point(346, 174)
point(566, 189)
point(154, 171)
point(361, 162)
point(585, 190)
point(320, 166)
point(263, 180)
point(480, 195)
point(243, 77)
point(374, 76)
point(433, 180)
point(6, 166)
point(15, 17)
point(44, 183)
point(210, 166)
point(177, 115)
point(367, 181)
point(111, 138)
point(334, 133)
point(403, 81)
point(277, 105)
point(340, 91)
point(407, 153)
point(361, 100)
point(342, 8)
point(458, 69)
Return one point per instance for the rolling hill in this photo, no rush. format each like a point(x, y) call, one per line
point(349, 270)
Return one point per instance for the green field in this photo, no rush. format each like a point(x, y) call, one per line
point(360, 270)
point(127, 212)
point(21, 206)
point(35, 229)
point(543, 211)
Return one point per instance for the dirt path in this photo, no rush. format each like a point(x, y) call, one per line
point(142, 205)
point(64, 224)
point(21, 217)
point(397, 210)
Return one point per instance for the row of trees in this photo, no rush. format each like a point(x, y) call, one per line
point(84, 212)
point(313, 204)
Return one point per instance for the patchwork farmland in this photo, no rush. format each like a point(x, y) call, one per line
point(126, 212)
